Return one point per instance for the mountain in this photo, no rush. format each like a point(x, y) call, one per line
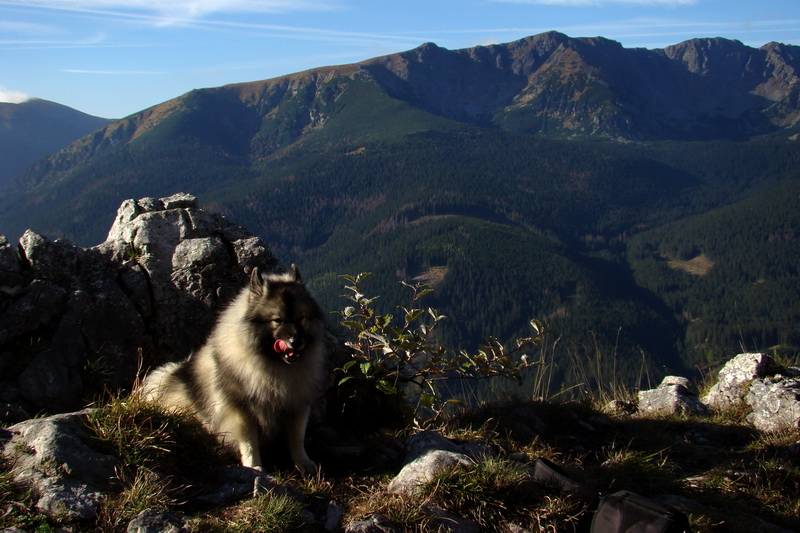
point(530, 179)
point(37, 128)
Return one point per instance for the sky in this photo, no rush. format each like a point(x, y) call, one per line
point(113, 58)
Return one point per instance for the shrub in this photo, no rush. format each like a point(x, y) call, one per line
point(395, 352)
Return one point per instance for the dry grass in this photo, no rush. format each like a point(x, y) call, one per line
point(735, 478)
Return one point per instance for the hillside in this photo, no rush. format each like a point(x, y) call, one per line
point(520, 174)
point(37, 128)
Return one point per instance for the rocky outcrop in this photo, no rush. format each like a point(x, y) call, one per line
point(753, 381)
point(770, 392)
point(75, 321)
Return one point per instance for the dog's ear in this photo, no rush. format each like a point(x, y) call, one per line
point(296, 274)
point(258, 286)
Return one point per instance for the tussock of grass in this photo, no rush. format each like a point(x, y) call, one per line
point(406, 511)
point(146, 490)
point(268, 512)
point(142, 434)
point(486, 492)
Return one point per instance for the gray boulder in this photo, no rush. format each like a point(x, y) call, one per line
point(734, 379)
point(423, 469)
point(428, 453)
point(775, 403)
point(756, 381)
point(674, 396)
point(52, 457)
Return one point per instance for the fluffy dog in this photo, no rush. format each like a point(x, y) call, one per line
point(259, 372)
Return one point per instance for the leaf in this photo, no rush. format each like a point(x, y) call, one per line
point(353, 324)
point(414, 314)
point(344, 380)
point(365, 368)
point(385, 387)
point(427, 399)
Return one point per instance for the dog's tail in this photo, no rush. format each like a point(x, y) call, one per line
point(164, 386)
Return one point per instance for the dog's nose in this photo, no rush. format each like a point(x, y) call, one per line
point(297, 344)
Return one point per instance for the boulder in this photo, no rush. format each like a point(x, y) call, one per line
point(757, 382)
point(674, 396)
point(52, 457)
point(775, 403)
point(428, 453)
point(734, 379)
point(423, 469)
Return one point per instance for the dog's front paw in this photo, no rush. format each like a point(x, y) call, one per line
point(306, 466)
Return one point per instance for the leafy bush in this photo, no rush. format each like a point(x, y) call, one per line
point(395, 352)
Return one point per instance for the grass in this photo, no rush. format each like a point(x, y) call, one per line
point(735, 477)
point(17, 504)
point(142, 434)
point(141, 490)
point(268, 512)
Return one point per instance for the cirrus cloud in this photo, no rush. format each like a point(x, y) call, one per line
point(583, 3)
point(175, 11)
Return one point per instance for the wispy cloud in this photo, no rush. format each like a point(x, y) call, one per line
point(574, 3)
point(12, 97)
point(111, 72)
point(175, 11)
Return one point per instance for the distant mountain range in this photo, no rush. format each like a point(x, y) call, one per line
point(562, 178)
point(37, 128)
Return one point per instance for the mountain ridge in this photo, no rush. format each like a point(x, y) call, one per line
point(516, 74)
point(548, 84)
point(36, 128)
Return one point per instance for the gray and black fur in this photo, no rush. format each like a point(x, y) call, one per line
point(242, 384)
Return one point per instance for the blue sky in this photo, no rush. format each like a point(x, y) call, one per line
point(112, 58)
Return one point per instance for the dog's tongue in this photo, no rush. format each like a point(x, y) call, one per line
point(282, 347)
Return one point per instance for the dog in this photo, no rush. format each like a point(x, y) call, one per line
point(258, 374)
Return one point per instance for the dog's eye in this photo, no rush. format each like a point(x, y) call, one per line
point(276, 321)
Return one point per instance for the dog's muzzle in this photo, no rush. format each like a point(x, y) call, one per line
point(286, 352)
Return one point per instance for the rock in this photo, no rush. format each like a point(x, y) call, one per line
point(51, 455)
point(775, 403)
point(445, 521)
point(424, 468)
point(756, 381)
point(333, 515)
point(619, 408)
point(12, 414)
point(734, 379)
point(156, 521)
point(77, 321)
point(674, 396)
point(192, 263)
point(237, 482)
point(421, 443)
point(375, 524)
point(10, 276)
